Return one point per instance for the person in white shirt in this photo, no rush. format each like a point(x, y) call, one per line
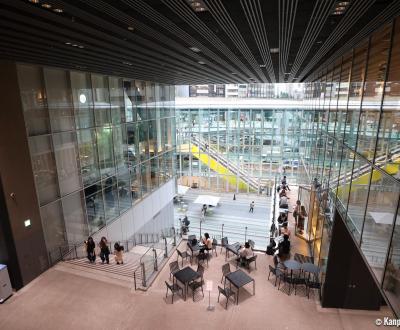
point(246, 252)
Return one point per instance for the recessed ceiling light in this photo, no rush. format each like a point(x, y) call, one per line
point(34, 1)
point(81, 46)
point(274, 50)
point(74, 45)
point(201, 62)
point(234, 73)
point(195, 49)
point(263, 65)
point(131, 28)
point(67, 43)
point(46, 5)
point(287, 72)
point(319, 42)
point(58, 10)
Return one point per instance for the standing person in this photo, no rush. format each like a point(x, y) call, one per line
point(90, 246)
point(118, 251)
point(104, 250)
point(296, 211)
point(251, 207)
point(301, 218)
point(203, 211)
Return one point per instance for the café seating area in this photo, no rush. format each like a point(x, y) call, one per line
point(196, 273)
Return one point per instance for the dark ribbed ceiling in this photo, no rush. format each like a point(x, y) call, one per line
point(230, 41)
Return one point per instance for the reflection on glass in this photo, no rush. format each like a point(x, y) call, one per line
point(59, 99)
point(83, 99)
point(66, 154)
point(95, 207)
point(88, 156)
point(33, 99)
point(101, 99)
point(44, 168)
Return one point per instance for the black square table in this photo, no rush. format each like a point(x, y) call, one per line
point(239, 278)
point(234, 248)
point(185, 276)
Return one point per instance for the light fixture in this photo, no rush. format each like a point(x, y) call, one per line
point(234, 73)
point(74, 45)
point(201, 62)
point(195, 49)
point(34, 1)
point(58, 10)
point(81, 46)
point(46, 5)
point(319, 42)
point(67, 43)
point(263, 65)
point(131, 28)
point(82, 98)
point(127, 63)
point(274, 50)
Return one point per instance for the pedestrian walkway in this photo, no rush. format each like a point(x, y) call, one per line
point(233, 214)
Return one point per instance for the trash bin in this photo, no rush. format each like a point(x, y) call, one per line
point(5, 284)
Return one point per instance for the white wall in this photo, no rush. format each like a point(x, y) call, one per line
point(153, 213)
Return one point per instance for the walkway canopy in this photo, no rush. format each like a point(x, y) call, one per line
point(207, 199)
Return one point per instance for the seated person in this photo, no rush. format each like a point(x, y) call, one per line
point(185, 221)
point(285, 230)
point(207, 241)
point(282, 218)
point(284, 248)
point(282, 193)
point(283, 202)
point(246, 251)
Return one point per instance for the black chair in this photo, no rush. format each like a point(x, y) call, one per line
point(224, 242)
point(312, 282)
point(227, 292)
point(173, 288)
point(197, 283)
point(201, 257)
point(247, 261)
point(273, 271)
point(192, 253)
point(200, 271)
point(283, 277)
point(226, 269)
point(183, 255)
point(173, 268)
point(191, 238)
point(214, 247)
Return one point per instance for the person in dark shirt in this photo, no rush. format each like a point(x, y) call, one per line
point(284, 247)
point(90, 246)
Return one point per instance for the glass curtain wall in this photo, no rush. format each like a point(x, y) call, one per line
point(237, 150)
point(98, 144)
point(355, 153)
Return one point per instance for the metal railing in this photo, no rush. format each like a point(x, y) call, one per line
point(148, 263)
point(241, 234)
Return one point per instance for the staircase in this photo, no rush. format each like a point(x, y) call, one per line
point(143, 258)
point(210, 157)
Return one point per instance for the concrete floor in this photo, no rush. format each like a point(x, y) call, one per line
point(65, 299)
